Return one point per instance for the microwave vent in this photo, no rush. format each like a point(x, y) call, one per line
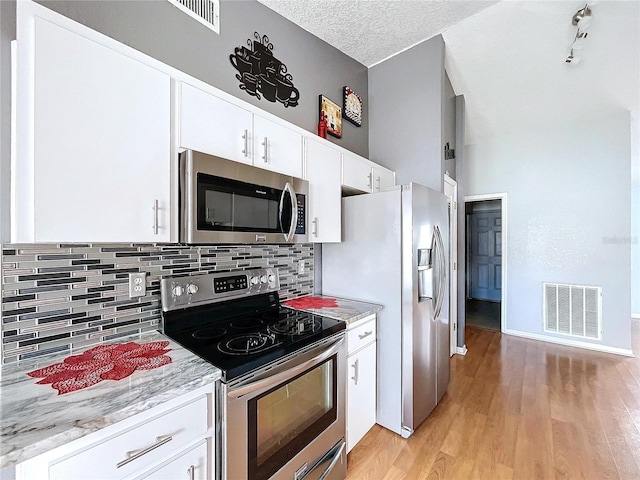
point(206, 12)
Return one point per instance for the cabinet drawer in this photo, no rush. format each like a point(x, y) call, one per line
point(149, 443)
point(190, 465)
point(361, 336)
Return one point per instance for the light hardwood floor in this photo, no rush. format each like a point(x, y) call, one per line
point(519, 409)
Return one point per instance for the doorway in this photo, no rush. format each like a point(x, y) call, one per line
point(451, 192)
point(484, 259)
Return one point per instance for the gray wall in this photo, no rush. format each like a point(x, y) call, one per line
point(160, 30)
point(449, 103)
point(568, 201)
point(406, 114)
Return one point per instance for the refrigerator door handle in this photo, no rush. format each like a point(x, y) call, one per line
point(442, 273)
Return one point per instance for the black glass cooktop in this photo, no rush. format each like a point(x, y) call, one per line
point(241, 335)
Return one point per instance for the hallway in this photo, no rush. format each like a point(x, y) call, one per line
point(520, 409)
point(483, 314)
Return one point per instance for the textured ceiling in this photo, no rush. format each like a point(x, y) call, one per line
point(506, 58)
point(371, 30)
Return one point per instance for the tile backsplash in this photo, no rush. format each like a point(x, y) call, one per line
point(68, 296)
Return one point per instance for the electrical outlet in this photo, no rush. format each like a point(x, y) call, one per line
point(137, 284)
point(301, 266)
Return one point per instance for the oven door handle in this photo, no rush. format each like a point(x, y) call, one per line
point(287, 373)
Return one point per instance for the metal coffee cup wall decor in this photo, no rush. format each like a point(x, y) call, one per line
point(261, 74)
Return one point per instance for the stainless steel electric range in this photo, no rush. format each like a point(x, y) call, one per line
point(281, 399)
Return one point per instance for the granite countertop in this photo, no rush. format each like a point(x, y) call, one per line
point(349, 311)
point(35, 419)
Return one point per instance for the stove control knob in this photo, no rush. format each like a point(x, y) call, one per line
point(272, 278)
point(263, 279)
point(177, 291)
point(254, 280)
point(192, 288)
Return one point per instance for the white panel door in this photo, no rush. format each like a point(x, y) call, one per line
point(325, 193)
point(101, 148)
point(356, 173)
point(383, 178)
point(276, 147)
point(361, 394)
point(211, 125)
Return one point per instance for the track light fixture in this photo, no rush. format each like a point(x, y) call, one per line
point(581, 20)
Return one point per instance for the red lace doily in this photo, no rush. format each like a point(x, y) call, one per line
point(303, 303)
point(113, 361)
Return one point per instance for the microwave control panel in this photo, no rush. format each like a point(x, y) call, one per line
point(300, 226)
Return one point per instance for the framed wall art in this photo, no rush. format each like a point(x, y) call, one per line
point(333, 116)
point(352, 106)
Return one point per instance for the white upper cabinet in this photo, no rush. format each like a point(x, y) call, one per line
point(276, 147)
point(360, 175)
point(323, 174)
point(383, 178)
point(356, 173)
point(93, 143)
point(211, 125)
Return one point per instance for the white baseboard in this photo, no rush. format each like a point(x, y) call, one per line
point(635, 315)
point(571, 343)
point(461, 350)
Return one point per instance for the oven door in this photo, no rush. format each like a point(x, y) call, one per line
point(228, 202)
point(288, 421)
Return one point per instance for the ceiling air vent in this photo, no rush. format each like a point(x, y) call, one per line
point(574, 310)
point(207, 12)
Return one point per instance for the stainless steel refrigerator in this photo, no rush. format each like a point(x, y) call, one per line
point(395, 253)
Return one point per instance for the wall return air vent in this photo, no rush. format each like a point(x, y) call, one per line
point(574, 310)
point(206, 12)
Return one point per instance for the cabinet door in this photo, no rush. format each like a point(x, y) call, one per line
point(356, 173)
point(325, 196)
point(276, 147)
point(361, 394)
point(191, 465)
point(211, 125)
point(383, 178)
point(101, 153)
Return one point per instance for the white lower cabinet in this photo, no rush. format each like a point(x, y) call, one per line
point(190, 465)
point(361, 379)
point(172, 440)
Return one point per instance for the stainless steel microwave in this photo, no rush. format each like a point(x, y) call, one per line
point(222, 201)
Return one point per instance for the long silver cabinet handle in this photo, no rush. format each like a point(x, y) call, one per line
point(245, 137)
point(264, 155)
point(191, 471)
point(355, 373)
point(378, 181)
point(155, 217)
point(365, 335)
point(315, 226)
point(370, 180)
point(135, 454)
